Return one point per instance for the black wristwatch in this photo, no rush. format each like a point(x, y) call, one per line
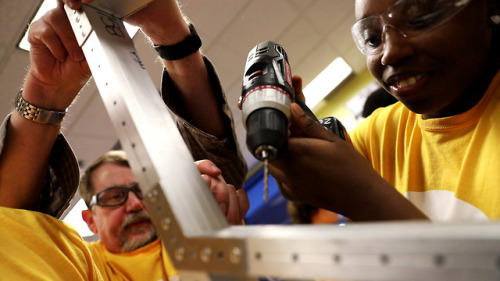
point(186, 47)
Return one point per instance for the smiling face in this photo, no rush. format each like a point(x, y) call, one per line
point(438, 73)
point(121, 228)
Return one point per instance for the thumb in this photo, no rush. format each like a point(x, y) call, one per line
point(297, 88)
point(208, 167)
point(308, 127)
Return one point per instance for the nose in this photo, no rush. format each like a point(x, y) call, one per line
point(133, 202)
point(397, 45)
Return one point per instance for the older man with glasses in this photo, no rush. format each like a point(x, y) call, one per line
point(39, 172)
point(128, 247)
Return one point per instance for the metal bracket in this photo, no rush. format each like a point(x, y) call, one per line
point(196, 235)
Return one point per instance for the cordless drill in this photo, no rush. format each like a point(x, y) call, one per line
point(266, 97)
point(267, 94)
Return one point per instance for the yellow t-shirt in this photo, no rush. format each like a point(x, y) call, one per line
point(149, 263)
point(36, 246)
point(448, 167)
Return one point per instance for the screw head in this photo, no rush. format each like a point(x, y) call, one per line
point(235, 255)
point(179, 254)
point(206, 255)
point(165, 224)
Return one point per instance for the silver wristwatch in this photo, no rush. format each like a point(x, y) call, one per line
point(36, 114)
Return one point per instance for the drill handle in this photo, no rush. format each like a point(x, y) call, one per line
point(333, 125)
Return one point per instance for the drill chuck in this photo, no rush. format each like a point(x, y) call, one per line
point(267, 133)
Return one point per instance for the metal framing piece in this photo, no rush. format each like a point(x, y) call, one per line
point(202, 244)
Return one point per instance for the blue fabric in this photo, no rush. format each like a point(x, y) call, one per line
point(260, 212)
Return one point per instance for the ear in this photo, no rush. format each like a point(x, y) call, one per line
point(88, 217)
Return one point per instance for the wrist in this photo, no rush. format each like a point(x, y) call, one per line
point(37, 114)
point(54, 96)
point(166, 33)
point(189, 45)
point(162, 21)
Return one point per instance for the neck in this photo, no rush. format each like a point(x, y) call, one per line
point(471, 96)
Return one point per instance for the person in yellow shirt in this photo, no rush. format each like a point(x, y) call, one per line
point(128, 247)
point(39, 172)
point(37, 246)
point(432, 155)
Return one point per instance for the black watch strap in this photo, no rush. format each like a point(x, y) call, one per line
point(186, 47)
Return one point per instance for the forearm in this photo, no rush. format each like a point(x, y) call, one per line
point(379, 201)
point(363, 197)
point(163, 22)
point(38, 170)
point(197, 95)
point(224, 152)
point(24, 161)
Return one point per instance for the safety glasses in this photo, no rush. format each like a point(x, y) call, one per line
point(410, 18)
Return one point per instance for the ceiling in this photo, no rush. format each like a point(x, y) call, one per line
point(313, 33)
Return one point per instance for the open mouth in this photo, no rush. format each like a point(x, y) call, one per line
point(408, 82)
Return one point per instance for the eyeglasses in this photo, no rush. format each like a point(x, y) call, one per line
point(410, 18)
point(115, 195)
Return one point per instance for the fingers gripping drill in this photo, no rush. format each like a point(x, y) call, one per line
point(267, 94)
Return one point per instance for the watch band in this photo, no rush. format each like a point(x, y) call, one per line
point(37, 114)
point(186, 47)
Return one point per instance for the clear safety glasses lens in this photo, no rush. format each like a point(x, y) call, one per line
point(409, 17)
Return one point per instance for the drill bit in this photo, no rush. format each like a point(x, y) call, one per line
point(266, 179)
point(264, 154)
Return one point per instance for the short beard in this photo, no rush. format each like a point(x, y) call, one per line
point(128, 245)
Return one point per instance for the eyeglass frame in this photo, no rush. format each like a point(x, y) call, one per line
point(128, 188)
point(387, 15)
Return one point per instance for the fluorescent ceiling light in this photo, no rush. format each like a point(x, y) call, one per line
point(51, 4)
point(326, 81)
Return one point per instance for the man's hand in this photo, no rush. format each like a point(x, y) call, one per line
point(58, 68)
point(233, 203)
